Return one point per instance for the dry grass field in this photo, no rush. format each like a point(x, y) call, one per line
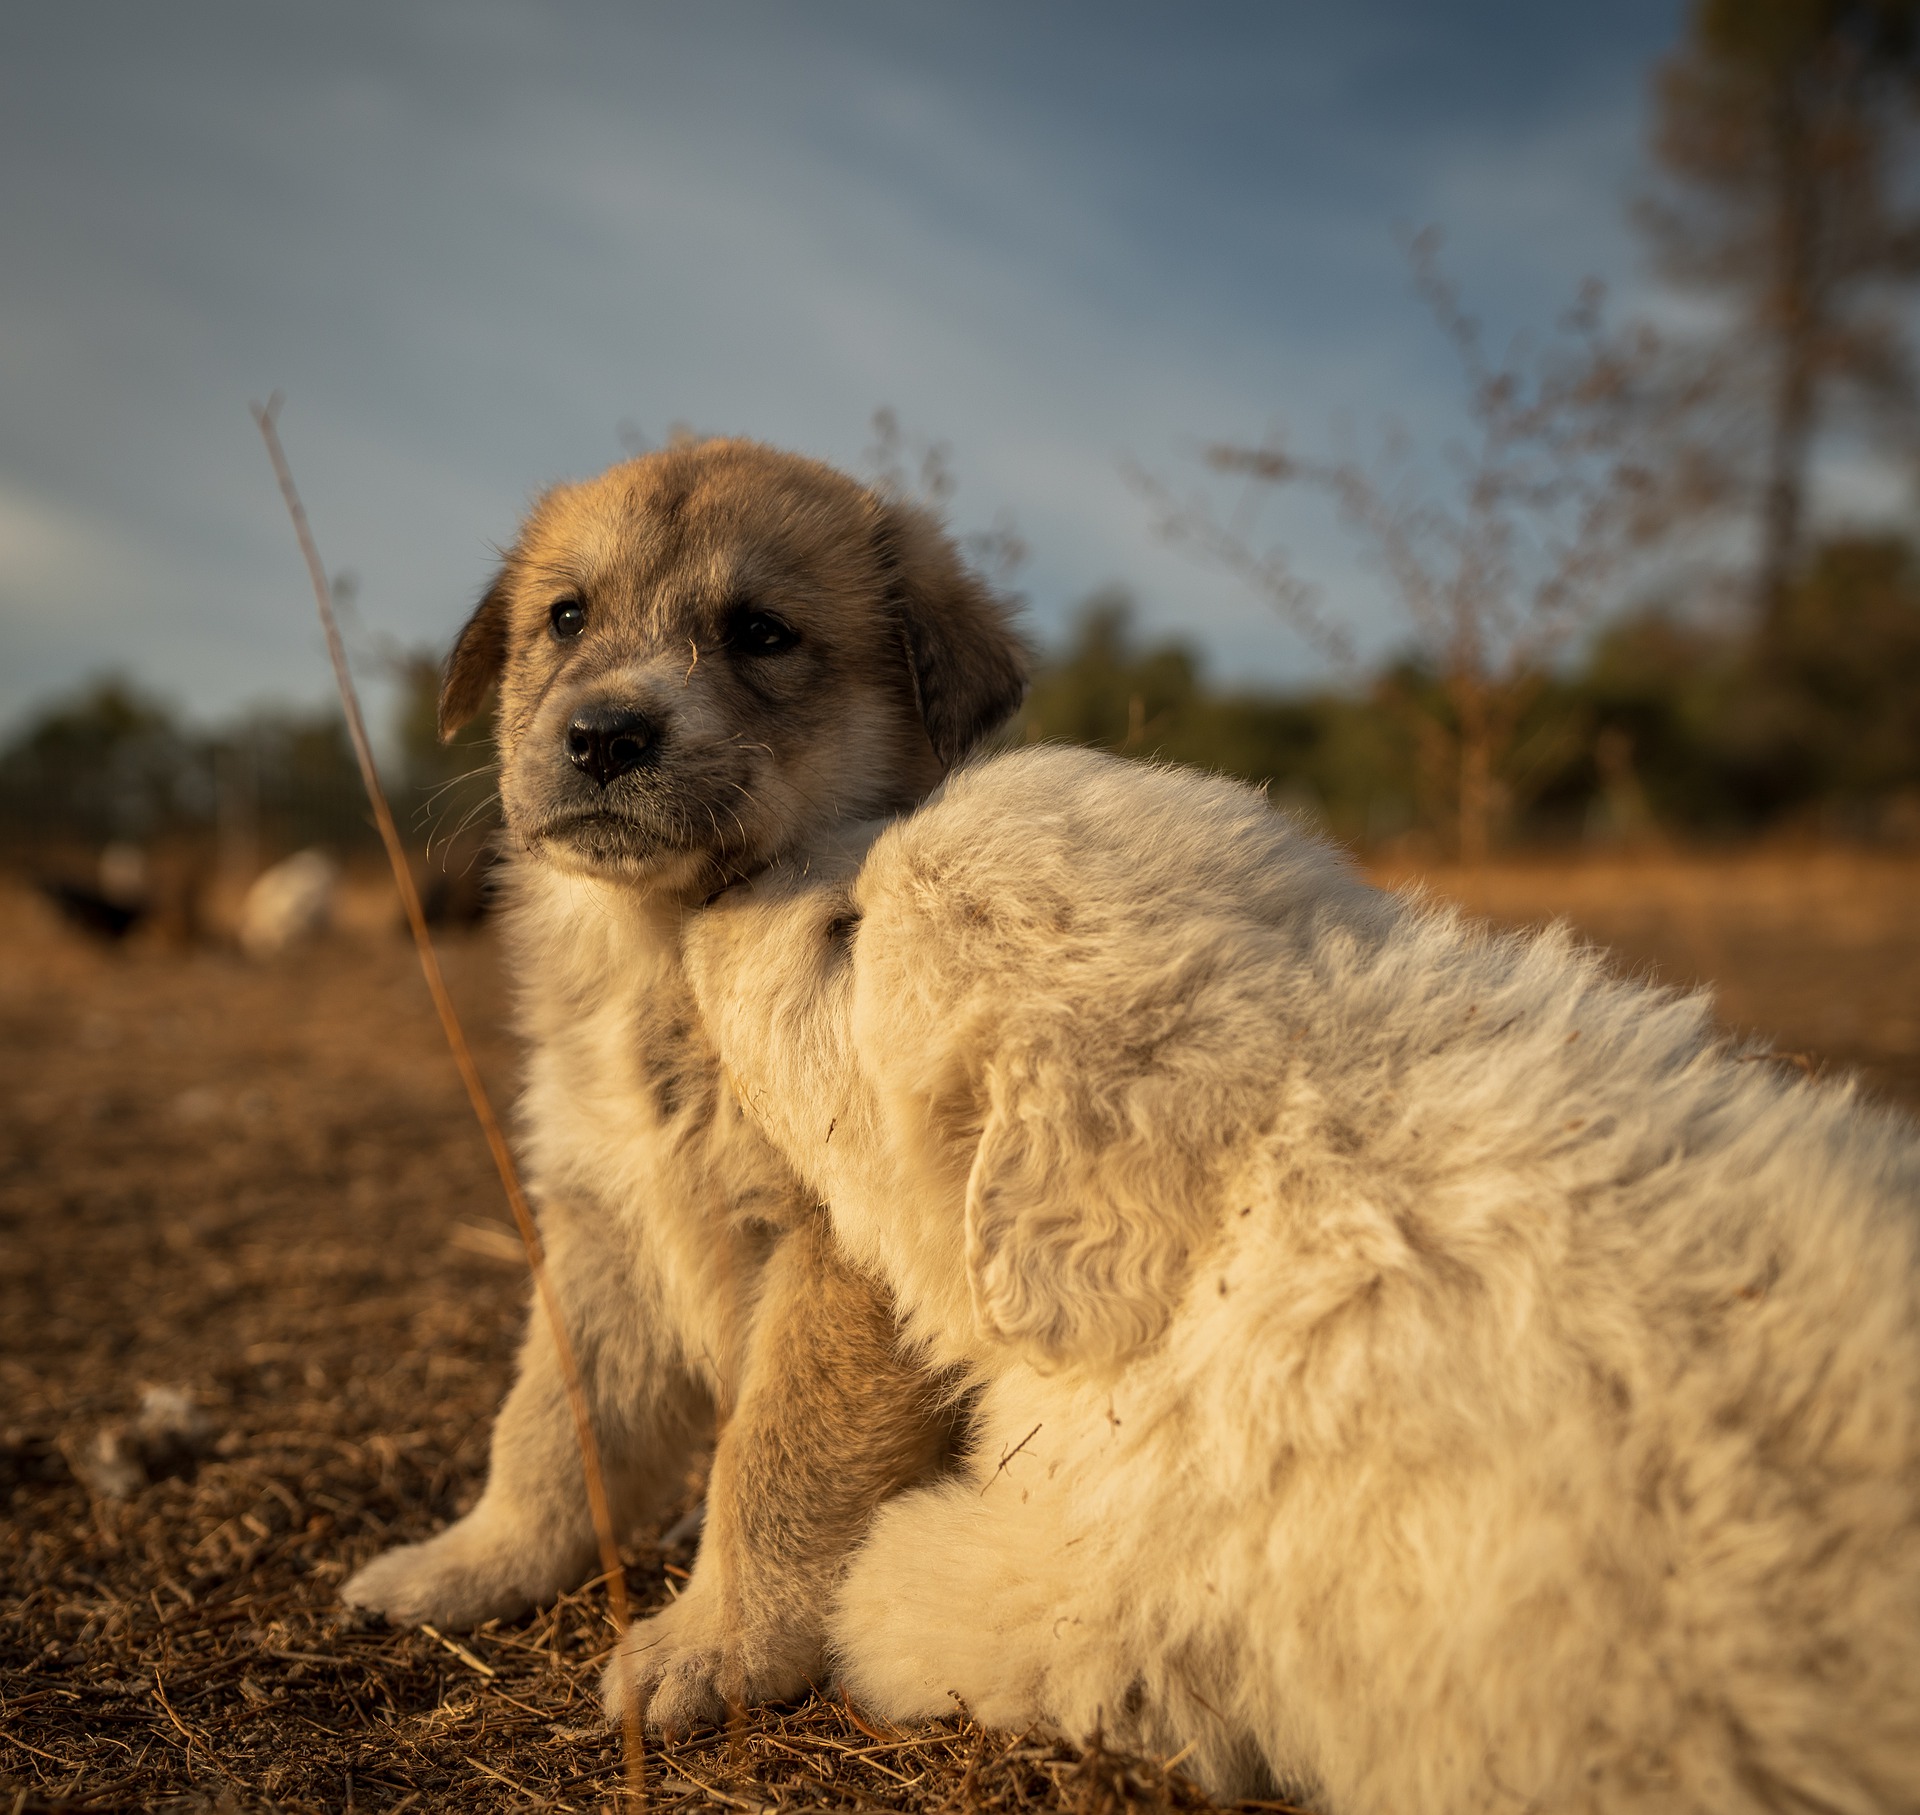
point(1817, 950)
point(259, 1184)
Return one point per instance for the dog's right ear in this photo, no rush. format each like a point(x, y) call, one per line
point(474, 663)
point(967, 665)
point(1078, 1229)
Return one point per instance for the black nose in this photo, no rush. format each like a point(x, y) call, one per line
point(607, 741)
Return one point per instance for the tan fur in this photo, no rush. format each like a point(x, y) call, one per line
point(693, 1265)
point(1418, 1369)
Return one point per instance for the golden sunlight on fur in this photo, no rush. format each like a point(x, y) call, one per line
point(1418, 1369)
point(705, 660)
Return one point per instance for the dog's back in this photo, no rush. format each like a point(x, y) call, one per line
point(1610, 1384)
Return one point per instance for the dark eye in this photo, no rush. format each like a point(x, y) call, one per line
point(568, 618)
point(751, 631)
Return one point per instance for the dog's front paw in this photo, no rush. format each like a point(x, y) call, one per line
point(688, 1666)
point(459, 1579)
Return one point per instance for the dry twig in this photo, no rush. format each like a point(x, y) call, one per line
point(503, 1160)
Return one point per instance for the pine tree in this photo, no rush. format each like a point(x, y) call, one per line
point(1781, 131)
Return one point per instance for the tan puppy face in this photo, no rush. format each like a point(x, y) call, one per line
point(707, 655)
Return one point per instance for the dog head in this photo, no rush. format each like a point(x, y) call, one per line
point(707, 655)
point(1021, 1047)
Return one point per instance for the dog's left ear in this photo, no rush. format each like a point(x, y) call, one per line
point(474, 663)
point(969, 668)
point(1078, 1230)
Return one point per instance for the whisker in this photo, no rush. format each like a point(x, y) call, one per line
point(453, 781)
point(431, 816)
point(473, 812)
point(485, 804)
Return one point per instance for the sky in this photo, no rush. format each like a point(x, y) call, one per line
point(476, 244)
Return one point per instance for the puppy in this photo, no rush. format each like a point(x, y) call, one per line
point(1421, 1370)
point(706, 660)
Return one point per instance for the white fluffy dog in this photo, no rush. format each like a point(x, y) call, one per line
point(1419, 1369)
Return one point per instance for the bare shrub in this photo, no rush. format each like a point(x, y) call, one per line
point(1498, 550)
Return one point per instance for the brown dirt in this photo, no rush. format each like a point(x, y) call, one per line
point(262, 1184)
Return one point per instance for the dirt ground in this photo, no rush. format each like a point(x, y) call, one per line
point(260, 1184)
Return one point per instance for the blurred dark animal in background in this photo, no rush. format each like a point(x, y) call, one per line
point(91, 911)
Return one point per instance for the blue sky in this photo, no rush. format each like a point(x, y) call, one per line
point(469, 240)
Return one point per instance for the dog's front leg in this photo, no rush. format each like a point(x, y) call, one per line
point(830, 1422)
point(530, 1536)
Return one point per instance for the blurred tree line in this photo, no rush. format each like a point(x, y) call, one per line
point(1660, 727)
point(114, 766)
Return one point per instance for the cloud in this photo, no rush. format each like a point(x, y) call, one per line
point(469, 240)
point(48, 550)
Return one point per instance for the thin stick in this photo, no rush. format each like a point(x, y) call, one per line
point(633, 1740)
point(1009, 1456)
point(194, 1741)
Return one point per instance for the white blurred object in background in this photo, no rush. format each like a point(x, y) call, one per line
point(288, 903)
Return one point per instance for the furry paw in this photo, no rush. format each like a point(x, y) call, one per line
point(457, 1580)
point(687, 1667)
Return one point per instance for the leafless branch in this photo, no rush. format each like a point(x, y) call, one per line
point(1499, 547)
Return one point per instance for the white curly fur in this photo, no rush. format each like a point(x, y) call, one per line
point(1418, 1368)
